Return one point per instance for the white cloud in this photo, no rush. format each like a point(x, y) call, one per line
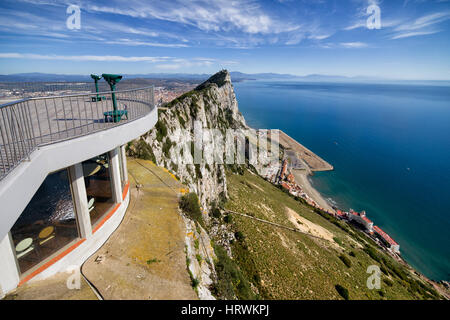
point(168, 63)
point(421, 26)
point(130, 42)
point(206, 15)
point(320, 37)
point(413, 34)
point(356, 25)
point(353, 44)
point(82, 57)
point(425, 21)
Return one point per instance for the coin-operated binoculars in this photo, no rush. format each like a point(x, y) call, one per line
point(97, 97)
point(112, 80)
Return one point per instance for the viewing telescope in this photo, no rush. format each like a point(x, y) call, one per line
point(112, 80)
point(96, 78)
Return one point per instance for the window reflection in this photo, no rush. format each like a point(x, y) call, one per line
point(47, 224)
point(97, 179)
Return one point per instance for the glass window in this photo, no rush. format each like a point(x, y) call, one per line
point(47, 224)
point(97, 178)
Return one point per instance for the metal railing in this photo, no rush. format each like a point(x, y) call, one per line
point(32, 122)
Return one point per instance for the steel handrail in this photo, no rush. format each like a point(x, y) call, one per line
point(31, 122)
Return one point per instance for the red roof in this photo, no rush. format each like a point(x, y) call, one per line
point(366, 219)
point(385, 236)
point(285, 185)
point(340, 213)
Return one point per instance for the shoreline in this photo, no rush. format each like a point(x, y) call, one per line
point(306, 162)
point(301, 178)
point(315, 163)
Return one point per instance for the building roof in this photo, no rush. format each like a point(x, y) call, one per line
point(366, 219)
point(385, 236)
point(340, 213)
point(285, 185)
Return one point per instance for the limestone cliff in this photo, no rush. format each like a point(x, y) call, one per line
point(214, 104)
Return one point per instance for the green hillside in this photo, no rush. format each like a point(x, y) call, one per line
point(283, 264)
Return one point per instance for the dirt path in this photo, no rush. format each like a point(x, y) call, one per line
point(144, 258)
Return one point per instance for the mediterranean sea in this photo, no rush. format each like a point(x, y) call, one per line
point(389, 144)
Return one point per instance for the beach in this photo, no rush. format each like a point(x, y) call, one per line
point(301, 178)
point(302, 163)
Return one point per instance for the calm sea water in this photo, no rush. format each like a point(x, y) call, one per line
point(389, 145)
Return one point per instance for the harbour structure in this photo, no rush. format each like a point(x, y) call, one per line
point(64, 186)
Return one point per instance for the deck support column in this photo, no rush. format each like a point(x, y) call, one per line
point(80, 199)
point(115, 175)
point(124, 163)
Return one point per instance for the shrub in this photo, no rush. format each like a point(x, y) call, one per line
point(388, 282)
point(352, 254)
point(142, 150)
point(194, 282)
point(228, 218)
point(161, 130)
point(345, 260)
point(337, 240)
point(154, 260)
point(215, 211)
point(230, 280)
point(372, 253)
point(190, 205)
point(343, 292)
point(196, 244)
point(166, 147)
point(239, 236)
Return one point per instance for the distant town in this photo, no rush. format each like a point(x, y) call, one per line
point(165, 89)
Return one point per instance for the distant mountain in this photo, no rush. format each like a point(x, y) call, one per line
point(36, 76)
point(46, 77)
point(235, 75)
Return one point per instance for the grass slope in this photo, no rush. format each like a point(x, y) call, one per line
point(283, 264)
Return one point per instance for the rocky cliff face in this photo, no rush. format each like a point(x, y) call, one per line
point(214, 105)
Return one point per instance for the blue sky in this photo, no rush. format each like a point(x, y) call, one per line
point(285, 36)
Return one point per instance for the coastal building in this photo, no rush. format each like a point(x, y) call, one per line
point(387, 240)
point(341, 214)
point(64, 186)
point(361, 218)
point(283, 170)
point(290, 178)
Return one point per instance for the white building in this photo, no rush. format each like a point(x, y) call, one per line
point(387, 240)
point(63, 179)
point(362, 219)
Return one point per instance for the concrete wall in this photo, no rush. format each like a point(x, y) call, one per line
point(9, 276)
point(19, 186)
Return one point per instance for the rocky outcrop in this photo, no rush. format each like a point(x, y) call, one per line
point(214, 105)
